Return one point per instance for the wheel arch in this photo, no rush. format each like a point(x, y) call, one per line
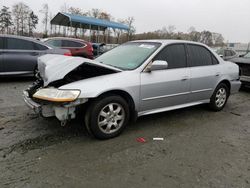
point(128, 98)
point(227, 82)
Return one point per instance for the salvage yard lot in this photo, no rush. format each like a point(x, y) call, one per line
point(200, 148)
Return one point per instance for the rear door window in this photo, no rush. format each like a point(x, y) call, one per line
point(19, 44)
point(174, 54)
point(228, 53)
point(55, 43)
point(233, 52)
point(71, 44)
point(199, 56)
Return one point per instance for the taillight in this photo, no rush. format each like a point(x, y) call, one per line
point(67, 54)
point(90, 48)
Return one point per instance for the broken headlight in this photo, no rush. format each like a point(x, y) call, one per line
point(57, 95)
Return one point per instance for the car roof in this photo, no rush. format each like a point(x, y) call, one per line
point(168, 41)
point(67, 38)
point(19, 37)
point(24, 38)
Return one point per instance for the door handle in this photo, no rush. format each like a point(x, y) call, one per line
point(217, 74)
point(184, 78)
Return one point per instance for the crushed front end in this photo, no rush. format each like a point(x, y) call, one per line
point(50, 101)
point(46, 97)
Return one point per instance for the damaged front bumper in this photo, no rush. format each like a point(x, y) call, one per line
point(63, 112)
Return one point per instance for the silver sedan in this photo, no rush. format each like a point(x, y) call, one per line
point(134, 79)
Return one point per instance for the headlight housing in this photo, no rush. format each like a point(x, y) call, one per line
point(57, 95)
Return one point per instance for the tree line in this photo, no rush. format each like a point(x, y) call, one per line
point(20, 19)
point(207, 37)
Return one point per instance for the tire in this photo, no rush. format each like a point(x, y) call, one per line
point(107, 117)
point(219, 97)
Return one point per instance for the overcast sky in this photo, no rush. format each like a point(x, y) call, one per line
point(228, 17)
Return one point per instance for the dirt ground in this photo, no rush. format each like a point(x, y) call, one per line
point(200, 148)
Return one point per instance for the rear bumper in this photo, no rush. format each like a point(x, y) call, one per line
point(235, 86)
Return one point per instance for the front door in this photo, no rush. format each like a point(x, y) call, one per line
point(169, 87)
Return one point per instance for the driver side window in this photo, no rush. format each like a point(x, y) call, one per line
point(174, 54)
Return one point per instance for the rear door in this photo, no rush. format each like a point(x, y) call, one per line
point(20, 56)
point(204, 70)
point(1, 54)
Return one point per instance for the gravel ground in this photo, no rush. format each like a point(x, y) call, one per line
point(200, 148)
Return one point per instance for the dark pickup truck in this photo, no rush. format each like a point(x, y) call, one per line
point(244, 63)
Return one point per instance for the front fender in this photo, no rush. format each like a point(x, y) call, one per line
point(128, 82)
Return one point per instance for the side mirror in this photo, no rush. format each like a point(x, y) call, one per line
point(158, 65)
point(242, 55)
point(221, 56)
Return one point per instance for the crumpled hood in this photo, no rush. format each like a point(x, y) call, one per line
point(56, 67)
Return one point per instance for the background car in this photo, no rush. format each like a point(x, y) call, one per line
point(134, 79)
point(244, 63)
point(98, 49)
point(18, 55)
point(77, 47)
point(227, 53)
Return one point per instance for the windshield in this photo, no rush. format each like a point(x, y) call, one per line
point(129, 56)
point(220, 52)
point(247, 55)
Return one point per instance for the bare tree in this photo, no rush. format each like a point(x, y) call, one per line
point(218, 39)
point(32, 22)
point(130, 22)
point(170, 30)
point(20, 13)
point(45, 11)
point(94, 12)
point(206, 38)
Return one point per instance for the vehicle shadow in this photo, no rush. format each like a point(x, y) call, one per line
point(245, 89)
point(16, 79)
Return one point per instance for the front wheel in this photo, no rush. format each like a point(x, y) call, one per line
point(107, 117)
point(219, 97)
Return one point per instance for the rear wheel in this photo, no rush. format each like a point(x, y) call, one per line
point(219, 97)
point(107, 117)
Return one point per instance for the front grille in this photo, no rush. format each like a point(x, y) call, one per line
point(245, 70)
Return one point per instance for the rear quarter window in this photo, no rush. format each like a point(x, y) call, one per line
point(199, 56)
point(71, 44)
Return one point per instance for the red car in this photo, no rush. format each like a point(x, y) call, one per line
point(77, 47)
